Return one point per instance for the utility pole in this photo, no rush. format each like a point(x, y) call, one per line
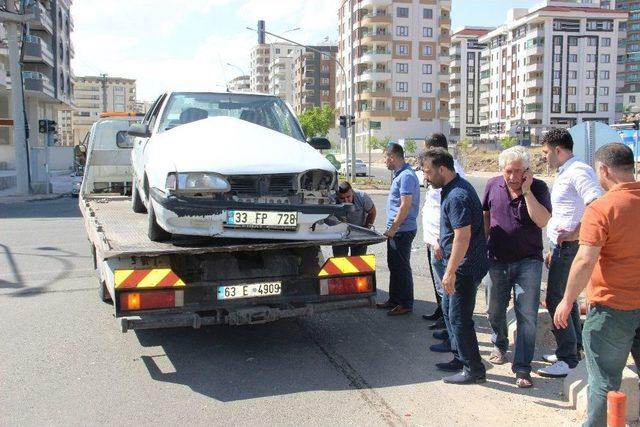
point(103, 79)
point(11, 19)
point(352, 109)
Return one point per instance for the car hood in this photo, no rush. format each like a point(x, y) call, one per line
point(231, 146)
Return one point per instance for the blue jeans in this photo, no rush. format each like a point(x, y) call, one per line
point(458, 309)
point(567, 339)
point(523, 279)
point(609, 335)
point(399, 263)
point(438, 271)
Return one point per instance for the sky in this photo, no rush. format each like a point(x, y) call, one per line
point(186, 45)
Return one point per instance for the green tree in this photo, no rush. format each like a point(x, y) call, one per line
point(375, 142)
point(508, 142)
point(317, 121)
point(410, 146)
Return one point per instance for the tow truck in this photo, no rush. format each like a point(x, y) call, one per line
point(191, 281)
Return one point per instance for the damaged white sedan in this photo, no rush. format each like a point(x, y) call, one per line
point(232, 165)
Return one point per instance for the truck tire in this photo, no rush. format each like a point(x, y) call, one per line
point(103, 293)
point(155, 232)
point(136, 201)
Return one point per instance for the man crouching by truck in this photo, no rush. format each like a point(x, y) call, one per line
point(362, 215)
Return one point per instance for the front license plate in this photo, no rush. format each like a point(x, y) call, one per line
point(260, 219)
point(249, 291)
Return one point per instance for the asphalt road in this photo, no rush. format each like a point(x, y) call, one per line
point(65, 361)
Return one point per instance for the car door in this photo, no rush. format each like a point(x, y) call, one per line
point(140, 143)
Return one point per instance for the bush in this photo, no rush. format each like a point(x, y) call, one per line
point(508, 142)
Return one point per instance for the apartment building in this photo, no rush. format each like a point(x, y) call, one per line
point(464, 89)
point(396, 57)
point(46, 77)
point(552, 65)
point(315, 78)
point(281, 77)
point(97, 94)
point(262, 57)
point(240, 84)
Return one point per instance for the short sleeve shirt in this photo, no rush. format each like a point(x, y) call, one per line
point(362, 205)
point(513, 235)
point(611, 223)
point(461, 207)
point(405, 183)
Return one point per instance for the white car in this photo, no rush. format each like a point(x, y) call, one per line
point(361, 168)
point(232, 165)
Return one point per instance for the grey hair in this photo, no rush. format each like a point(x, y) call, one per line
point(514, 154)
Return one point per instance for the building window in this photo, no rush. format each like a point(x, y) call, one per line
point(427, 87)
point(555, 90)
point(603, 107)
point(427, 50)
point(572, 57)
point(592, 41)
point(591, 57)
point(557, 57)
point(402, 105)
point(556, 75)
point(325, 69)
point(589, 106)
point(555, 107)
point(402, 87)
point(604, 75)
point(427, 32)
point(402, 49)
point(571, 107)
point(573, 41)
point(402, 31)
point(427, 68)
point(590, 90)
point(277, 51)
point(402, 12)
point(632, 99)
point(402, 67)
point(571, 90)
point(606, 42)
point(605, 58)
point(573, 74)
point(591, 75)
point(426, 106)
point(324, 93)
point(324, 81)
point(604, 91)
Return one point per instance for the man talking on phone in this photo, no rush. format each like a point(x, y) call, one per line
point(516, 207)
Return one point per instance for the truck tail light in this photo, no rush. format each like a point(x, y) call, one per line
point(147, 300)
point(350, 285)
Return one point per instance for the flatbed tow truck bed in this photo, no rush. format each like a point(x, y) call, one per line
point(194, 281)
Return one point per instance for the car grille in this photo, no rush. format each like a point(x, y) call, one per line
point(262, 185)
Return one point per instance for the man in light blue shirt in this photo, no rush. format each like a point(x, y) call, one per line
point(403, 205)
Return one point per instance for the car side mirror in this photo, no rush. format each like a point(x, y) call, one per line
point(319, 143)
point(139, 129)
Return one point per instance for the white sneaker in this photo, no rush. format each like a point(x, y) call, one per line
point(559, 369)
point(550, 358)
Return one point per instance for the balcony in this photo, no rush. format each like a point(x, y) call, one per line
point(533, 99)
point(373, 75)
point(443, 95)
point(36, 50)
point(375, 112)
point(369, 94)
point(443, 113)
point(371, 37)
point(42, 21)
point(534, 67)
point(374, 57)
point(534, 82)
point(445, 21)
point(363, 4)
point(455, 50)
point(537, 32)
point(455, 76)
point(377, 18)
point(38, 85)
point(455, 88)
point(455, 61)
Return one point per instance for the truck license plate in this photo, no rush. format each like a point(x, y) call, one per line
point(249, 291)
point(261, 219)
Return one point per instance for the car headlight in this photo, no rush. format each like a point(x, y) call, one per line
point(197, 182)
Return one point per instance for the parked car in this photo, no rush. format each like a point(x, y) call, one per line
point(361, 168)
point(232, 165)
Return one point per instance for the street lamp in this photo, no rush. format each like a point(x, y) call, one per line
point(346, 111)
point(238, 68)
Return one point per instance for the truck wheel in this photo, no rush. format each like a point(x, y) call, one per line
point(136, 201)
point(155, 232)
point(103, 293)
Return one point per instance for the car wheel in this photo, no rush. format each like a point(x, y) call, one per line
point(155, 232)
point(136, 201)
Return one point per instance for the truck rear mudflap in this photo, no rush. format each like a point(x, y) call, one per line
point(236, 317)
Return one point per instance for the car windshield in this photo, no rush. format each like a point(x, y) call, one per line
point(268, 111)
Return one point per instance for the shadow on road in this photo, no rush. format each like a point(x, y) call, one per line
point(66, 207)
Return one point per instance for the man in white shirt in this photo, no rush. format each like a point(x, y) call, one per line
point(431, 234)
point(575, 186)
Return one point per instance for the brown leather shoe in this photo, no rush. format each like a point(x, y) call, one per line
point(386, 305)
point(399, 310)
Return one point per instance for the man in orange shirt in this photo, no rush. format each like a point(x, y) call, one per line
point(608, 264)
